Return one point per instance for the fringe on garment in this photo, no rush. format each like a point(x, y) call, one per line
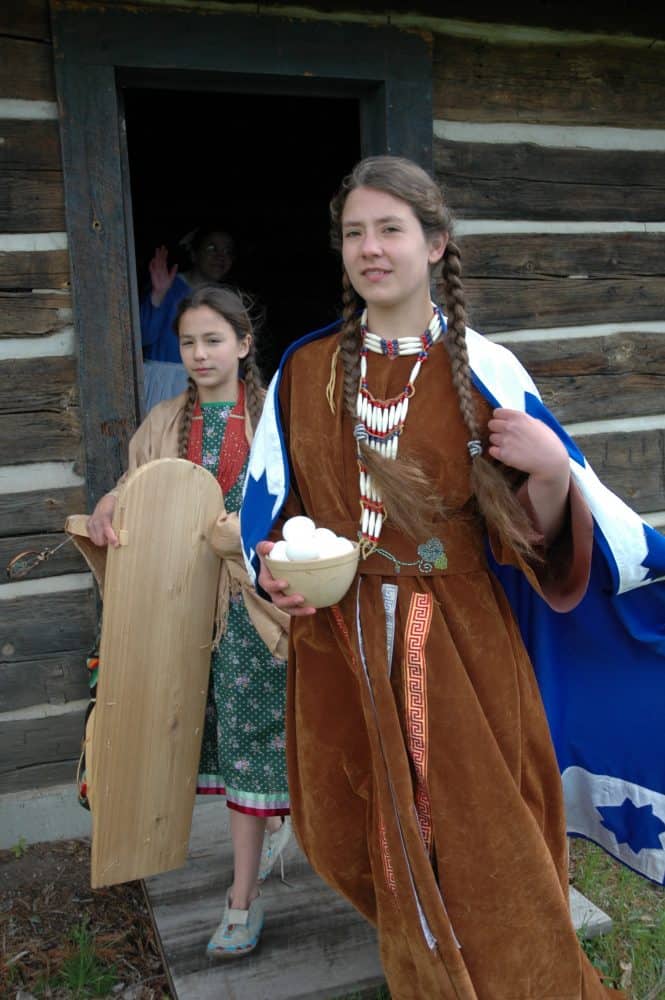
point(330, 388)
point(227, 589)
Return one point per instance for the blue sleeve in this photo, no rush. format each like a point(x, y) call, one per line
point(157, 334)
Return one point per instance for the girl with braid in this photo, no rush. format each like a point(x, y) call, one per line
point(424, 784)
point(243, 752)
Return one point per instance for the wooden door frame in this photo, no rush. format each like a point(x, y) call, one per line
point(99, 48)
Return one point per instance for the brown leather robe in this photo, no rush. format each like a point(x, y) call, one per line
point(426, 789)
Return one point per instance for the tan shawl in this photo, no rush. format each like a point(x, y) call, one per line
point(157, 437)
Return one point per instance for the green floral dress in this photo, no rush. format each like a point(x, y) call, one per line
point(243, 755)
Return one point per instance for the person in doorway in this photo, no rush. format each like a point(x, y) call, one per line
point(211, 254)
point(243, 752)
point(423, 779)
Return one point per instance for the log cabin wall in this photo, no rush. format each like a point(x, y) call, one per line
point(47, 621)
point(550, 145)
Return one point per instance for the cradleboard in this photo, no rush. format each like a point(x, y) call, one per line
point(159, 594)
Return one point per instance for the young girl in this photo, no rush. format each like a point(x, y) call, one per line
point(424, 785)
point(243, 753)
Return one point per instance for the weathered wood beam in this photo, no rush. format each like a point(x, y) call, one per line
point(526, 181)
point(38, 269)
point(39, 775)
point(497, 305)
point(67, 620)
point(51, 381)
point(30, 314)
point(26, 70)
point(33, 203)
point(30, 146)
point(25, 19)
point(41, 437)
point(632, 465)
point(67, 560)
point(560, 84)
point(27, 743)
point(40, 510)
point(597, 378)
point(50, 680)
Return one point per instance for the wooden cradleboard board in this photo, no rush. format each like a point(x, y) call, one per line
point(160, 590)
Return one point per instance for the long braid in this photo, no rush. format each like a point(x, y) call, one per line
point(254, 387)
point(349, 345)
point(495, 498)
point(186, 418)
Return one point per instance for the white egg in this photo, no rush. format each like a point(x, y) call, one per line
point(299, 549)
point(324, 534)
point(278, 551)
point(328, 548)
point(297, 527)
point(343, 545)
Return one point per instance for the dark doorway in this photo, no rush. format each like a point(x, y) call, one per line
point(263, 167)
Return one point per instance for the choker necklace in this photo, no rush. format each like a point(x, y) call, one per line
point(381, 422)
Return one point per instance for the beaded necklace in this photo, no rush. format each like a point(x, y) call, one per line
point(381, 422)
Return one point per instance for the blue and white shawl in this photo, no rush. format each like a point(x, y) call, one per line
point(600, 667)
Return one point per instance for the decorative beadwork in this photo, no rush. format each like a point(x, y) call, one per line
point(381, 422)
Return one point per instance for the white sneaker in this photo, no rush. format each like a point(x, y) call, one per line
point(273, 845)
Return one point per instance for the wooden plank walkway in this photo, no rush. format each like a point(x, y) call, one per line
point(314, 946)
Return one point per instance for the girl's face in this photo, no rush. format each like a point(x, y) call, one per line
point(385, 251)
point(211, 351)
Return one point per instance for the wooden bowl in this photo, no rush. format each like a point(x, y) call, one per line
point(321, 582)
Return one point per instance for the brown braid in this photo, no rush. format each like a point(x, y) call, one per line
point(186, 418)
point(495, 498)
point(408, 497)
point(254, 388)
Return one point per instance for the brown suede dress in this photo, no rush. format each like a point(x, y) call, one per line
point(425, 788)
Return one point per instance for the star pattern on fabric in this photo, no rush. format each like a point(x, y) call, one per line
point(637, 826)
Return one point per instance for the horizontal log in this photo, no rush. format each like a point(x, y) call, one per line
point(26, 70)
point(48, 384)
point(498, 305)
point(37, 269)
point(30, 146)
point(25, 19)
point(66, 560)
point(41, 437)
point(561, 84)
point(543, 255)
point(32, 203)
point(40, 511)
point(525, 181)
point(51, 680)
point(595, 378)
point(630, 464)
point(35, 314)
point(26, 743)
point(66, 620)
point(37, 776)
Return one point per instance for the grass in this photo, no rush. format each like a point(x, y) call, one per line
point(83, 973)
point(632, 955)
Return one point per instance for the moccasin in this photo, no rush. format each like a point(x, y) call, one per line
point(239, 931)
point(273, 845)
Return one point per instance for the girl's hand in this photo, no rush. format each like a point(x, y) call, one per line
point(161, 276)
point(293, 604)
point(100, 530)
point(528, 444)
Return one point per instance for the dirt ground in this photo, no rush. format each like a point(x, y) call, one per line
point(45, 895)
